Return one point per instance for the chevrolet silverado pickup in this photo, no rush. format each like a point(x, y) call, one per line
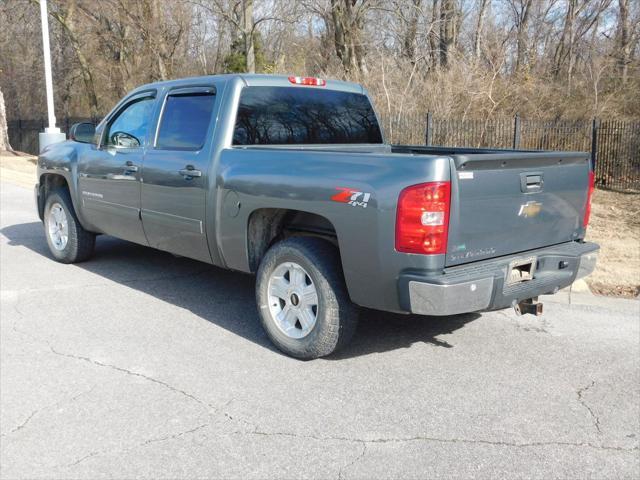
point(289, 178)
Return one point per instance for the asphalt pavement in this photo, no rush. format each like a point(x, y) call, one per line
point(138, 364)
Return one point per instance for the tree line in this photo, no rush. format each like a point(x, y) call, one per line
point(573, 59)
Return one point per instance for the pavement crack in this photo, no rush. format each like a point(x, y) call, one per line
point(83, 458)
point(419, 438)
point(580, 392)
point(149, 441)
point(107, 365)
point(130, 372)
point(175, 435)
point(23, 424)
point(45, 407)
point(353, 462)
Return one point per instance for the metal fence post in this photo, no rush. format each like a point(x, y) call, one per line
point(516, 131)
point(595, 126)
point(429, 132)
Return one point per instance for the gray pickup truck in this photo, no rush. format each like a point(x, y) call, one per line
point(289, 178)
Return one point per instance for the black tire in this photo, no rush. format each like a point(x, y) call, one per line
point(80, 243)
point(336, 316)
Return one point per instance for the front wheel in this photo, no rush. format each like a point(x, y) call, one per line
point(67, 240)
point(302, 298)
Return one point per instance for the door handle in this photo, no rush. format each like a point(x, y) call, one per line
point(531, 182)
point(130, 167)
point(190, 172)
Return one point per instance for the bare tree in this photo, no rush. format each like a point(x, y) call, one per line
point(477, 38)
point(626, 38)
point(161, 32)
point(240, 15)
point(433, 35)
point(521, 11)
point(580, 18)
point(411, 32)
point(448, 29)
point(65, 14)
point(455, 57)
point(348, 17)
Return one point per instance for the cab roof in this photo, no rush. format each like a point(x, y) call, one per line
point(251, 79)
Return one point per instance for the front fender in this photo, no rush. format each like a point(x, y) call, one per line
point(61, 159)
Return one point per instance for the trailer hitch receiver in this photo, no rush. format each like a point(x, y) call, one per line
point(531, 306)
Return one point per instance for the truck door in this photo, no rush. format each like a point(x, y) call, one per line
point(109, 175)
point(175, 174)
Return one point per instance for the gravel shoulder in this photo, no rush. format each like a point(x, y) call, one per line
point(615, 225)
point(18, 169)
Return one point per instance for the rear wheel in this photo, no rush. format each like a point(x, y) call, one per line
point(67, 240)
point(302, 298)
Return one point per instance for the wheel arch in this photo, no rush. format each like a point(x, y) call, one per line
point(267, 226)
point(46, 183)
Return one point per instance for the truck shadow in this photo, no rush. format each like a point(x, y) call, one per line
point(227, 298)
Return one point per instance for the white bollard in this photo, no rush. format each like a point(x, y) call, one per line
point(47, 137)
point(51, 134)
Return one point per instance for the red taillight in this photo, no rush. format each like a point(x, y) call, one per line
point(312, 81)
point(422, 221)
point(587, 209)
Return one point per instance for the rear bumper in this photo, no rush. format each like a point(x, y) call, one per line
point(482, 285)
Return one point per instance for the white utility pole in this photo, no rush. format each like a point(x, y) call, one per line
point(51, 134)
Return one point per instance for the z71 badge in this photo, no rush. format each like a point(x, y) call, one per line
point(352, 197)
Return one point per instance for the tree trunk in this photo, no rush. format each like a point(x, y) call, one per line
point(448, 32)
point(247, 27)
point(4, 132)
point(409, 41)
point(67, 22)
point(561, 50)
point(523, 35)
point(624, 40)
point(433, 36)
point(477, 39)
point(348, 23)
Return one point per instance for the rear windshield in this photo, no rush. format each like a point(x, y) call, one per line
point(299, 115)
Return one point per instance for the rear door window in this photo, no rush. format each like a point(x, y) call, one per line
point(185, 121)
point(298, 115)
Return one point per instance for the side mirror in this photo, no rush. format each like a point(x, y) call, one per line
point(82, 132)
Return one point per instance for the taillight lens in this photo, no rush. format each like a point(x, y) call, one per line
point(587, 209)
point(422, 221)
point(310, 81)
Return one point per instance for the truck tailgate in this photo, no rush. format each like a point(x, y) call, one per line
point(504, 203)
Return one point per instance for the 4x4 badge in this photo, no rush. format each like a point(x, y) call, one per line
point(352, 197)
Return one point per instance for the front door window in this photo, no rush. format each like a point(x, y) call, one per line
point(129, 128)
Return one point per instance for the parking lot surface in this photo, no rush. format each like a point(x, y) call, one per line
point(141, 364)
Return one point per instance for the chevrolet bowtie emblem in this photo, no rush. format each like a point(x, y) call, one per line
point(530, 209)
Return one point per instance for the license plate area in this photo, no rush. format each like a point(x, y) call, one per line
point(521, 270)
